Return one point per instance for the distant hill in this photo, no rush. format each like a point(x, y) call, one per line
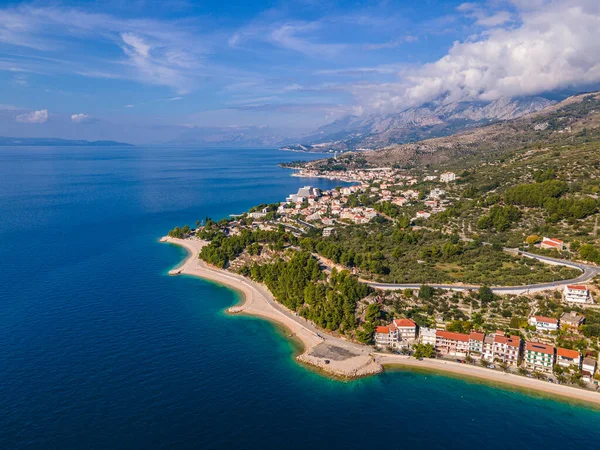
point(55, 142)
point(414, 124)
point(229, 137)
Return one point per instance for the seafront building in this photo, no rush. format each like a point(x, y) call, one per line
point(501, 348)
point(588, 368)
point(427, 336)
point(538, 356)
point(451, 343)
point(568, 358)
point(476, 341)
point(399, 333)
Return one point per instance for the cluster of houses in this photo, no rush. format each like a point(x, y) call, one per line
point(385, 185)
point(494, 348)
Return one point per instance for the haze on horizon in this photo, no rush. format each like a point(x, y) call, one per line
point(146, 72)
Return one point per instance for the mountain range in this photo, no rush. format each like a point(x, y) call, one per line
point(414, 124)
point(573, 120)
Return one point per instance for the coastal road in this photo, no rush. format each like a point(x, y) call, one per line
point(588, 273)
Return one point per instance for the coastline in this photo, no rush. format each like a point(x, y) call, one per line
point(332, 355)
point(530, 386)
point(339, 358)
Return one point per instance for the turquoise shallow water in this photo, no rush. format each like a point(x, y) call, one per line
point(99, 348)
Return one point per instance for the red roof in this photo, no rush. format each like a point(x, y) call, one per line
point(404, 323)
point(475, 336)
point(552, 241)
point(566, 353)
point(577, 287)
point(514, 341)
point(452, 336)
point(541, 348)
point(501, 339)
point(382, 330)
point(545, 319)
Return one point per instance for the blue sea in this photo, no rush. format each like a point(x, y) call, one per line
point(101, 349)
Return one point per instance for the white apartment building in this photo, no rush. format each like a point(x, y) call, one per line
point(575, 293)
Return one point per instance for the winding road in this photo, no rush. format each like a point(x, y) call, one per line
point(588, 273)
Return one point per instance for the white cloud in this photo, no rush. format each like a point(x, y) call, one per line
point(161, 52)
point(40, 116)
point(80, 118)
point(556, 46)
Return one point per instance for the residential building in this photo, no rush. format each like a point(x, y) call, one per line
point(423, 215)
point(576, 293)
point(407, 329)
point(383, 337)
point(447, 177)
point(476, 344)
point(450, 343)
point(427, 336)
point(396, 334)
point(552, 243)
point(501, 348)
point(568, 358)
point(488, 348)
point(328, 231)
point(589, 364)
point(400, 201)
point(437, 193)
point(542, 323)
point(571, 320)
point(257, 214)
point(539, 357)
point(507, 349)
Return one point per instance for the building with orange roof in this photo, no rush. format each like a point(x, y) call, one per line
point(396, 334)
point(568, 358)
point(407, 329)
point(476, 344)
point(577, 293)
point(543, 323)
point(538, 356)
point(498, 347)
point(552, 243)
point(383, 337)
point(451, 343)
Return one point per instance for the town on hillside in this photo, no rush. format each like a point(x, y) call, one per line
point(542, 335)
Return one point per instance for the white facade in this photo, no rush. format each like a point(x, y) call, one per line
point(576, 294)
point(544, 323)
point(427, 336)
point(446, 177)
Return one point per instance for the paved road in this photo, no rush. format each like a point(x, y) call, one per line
point(588, 273)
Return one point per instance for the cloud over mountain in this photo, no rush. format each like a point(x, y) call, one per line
point(554, 45)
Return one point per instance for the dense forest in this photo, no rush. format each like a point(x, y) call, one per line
point(300, 285)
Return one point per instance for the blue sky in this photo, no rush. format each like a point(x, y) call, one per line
point(145, 70)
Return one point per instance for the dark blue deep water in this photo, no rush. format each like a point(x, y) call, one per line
point(99, 348)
